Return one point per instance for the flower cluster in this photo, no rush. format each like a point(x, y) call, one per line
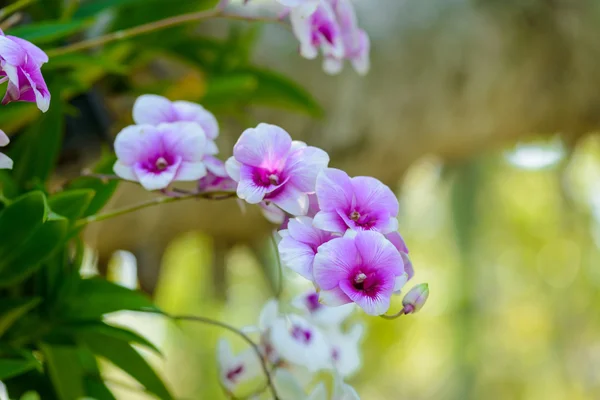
point(170, 141)
point(296, 346)
point(20, 65)
point(329, 27)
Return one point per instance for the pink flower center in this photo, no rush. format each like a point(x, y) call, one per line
point(300, 334)
point(363, 220)
point(368, 284)
point(312, 302)
point(321, 27)
point(158, 163)
point(265, 178)
point(161, 164)
point(233, 374)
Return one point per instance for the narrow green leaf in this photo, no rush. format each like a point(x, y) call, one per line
point(13, 309)
point(46, 32)
point(19, 221)
point(29, 256)
point(115, 332)
point(103, 189)
point(122, 355)
point(71, 204)
point(12, 367)
point(97, 390)
point(95, 297)
point(92, 7)
point(38, 147)
point(65, 370)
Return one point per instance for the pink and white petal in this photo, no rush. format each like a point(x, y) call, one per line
point(184, 139)
point(136, 142)
point(232, 166)
point(346, 16)
point(38, 56)
point(386, 225)
point(272, 213)
point(39, 89)
point(5, 161)
point(215, 166)
point(4, 140)
point(400, 282)
point(373, 194)
point(291, 200)
point(249, 191)
point(372, 305)
point(153, 109)
point(334, 189)
point(268, 314)
point(188, 111)
point(154, 181)
point(333, 66)
point(124, 171)
point(375, 250)
point(297, 144)
point(330, 221)
point(302, 28)
point(334, 297)
point(361, 61)
point(190, 171)
point(408, 266)
point(303, 166)
point(12, 93)
point(396, 239)
point(266, 146)
point(334, 262)
point(211, 148)
point(297, 256)
point(11, 52)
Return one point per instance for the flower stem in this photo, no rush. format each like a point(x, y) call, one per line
point(14, 7)
point(394, 316)
point(217, 195)
point(151, 27)
point(241, 334)
point(279, 288)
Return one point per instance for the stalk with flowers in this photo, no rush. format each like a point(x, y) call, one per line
point(338, 232)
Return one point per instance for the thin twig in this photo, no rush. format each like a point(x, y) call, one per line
point(394, 316)
point(11, 21)
point(241, 334)
point(151, 27)
point(14, 7)
point(217, 195)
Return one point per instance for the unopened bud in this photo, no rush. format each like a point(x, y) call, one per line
point(415, 298)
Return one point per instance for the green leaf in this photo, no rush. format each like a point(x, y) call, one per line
point(115, 332)
point(103, 189)
point(95, 297)
point(28, 257)
point(46, 32)
point(80, 61)
point(13, 309)
point(31, 395)
point(37, 149)
point(92, 7)
point(71, 204)
point(97, 390)
point(19, 221)
point(13, 367)
point(122, 355)
point(65, 370)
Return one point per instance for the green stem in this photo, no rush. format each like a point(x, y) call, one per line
point(217, 195)
point(14, 7)
point(151, 27)
point(279, 288)
point(242, 335)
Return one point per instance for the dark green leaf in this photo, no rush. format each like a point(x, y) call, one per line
point(92, 7)
point(65, 370)
point(13, 367)
point(115, 332)
point(31, 395)
point(104, 189)
point(34, 251)
point(82, 61)
point(95, 297)
point(13, 309)
point(71, 204)
point(37, 149)
point(46, 32)
point(97, 390)
point(19, 221)
point(122, 355)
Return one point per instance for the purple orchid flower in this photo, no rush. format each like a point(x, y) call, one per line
point(152, 109)
point(269, 166)
point(359, 203)
point(216, 179)
point(155, 156)
point(362, 267)
point(316, 30)
point(299, 244)
point(356, 43)
point(20, 65)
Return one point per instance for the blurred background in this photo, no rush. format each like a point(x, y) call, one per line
point(482, 116)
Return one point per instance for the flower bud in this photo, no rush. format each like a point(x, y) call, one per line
point(415, 298)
